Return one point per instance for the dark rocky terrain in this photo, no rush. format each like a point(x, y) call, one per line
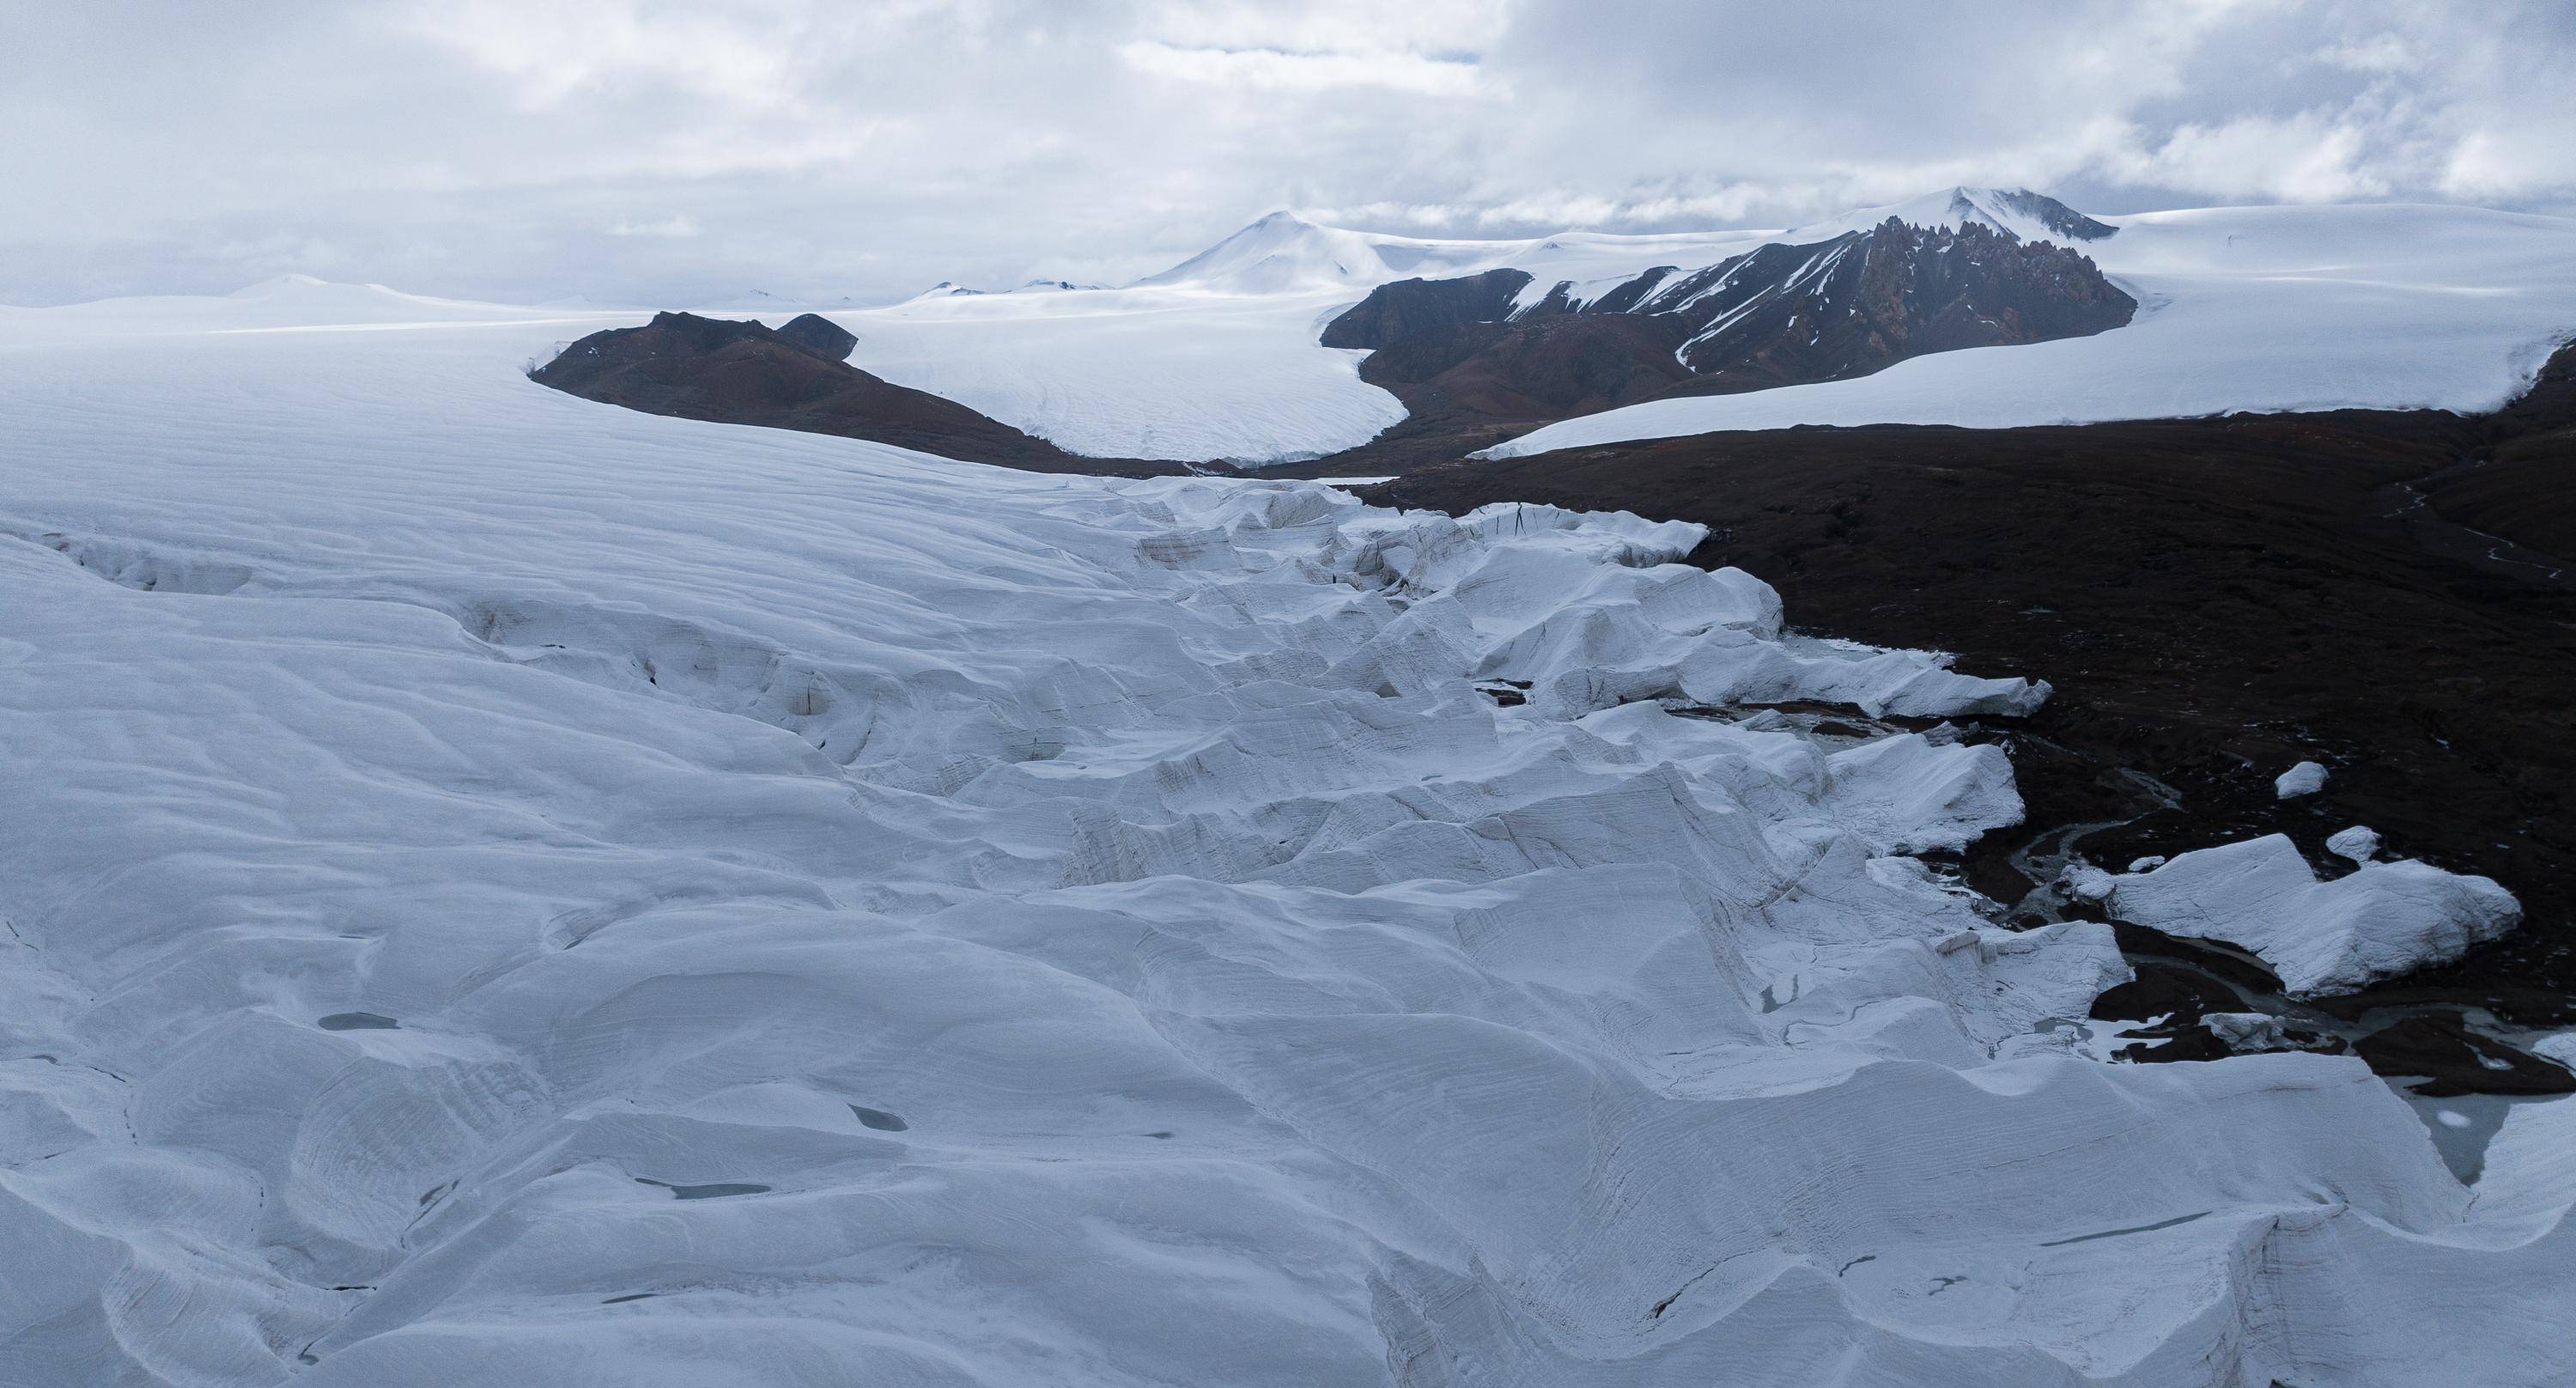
point(816, 333)
point(1472, 368)
point(795, 378)
point(2214, 599)
point(1393, 312)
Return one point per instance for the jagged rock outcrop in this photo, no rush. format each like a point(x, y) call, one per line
point(742, 372)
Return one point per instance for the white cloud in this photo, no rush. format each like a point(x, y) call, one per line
point(674, 227)
point(2302, 158)
point(1270, 69)
point(853, 147)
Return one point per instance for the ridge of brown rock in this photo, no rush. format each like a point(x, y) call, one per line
point(741, 372)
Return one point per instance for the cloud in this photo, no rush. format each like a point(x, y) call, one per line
point(1271, 69)
point(667, 150)
point(674, 227)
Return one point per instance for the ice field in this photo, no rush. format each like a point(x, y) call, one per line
point(499, 888)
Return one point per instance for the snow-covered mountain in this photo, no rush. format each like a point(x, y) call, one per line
point(1482, 345)
point(2245, 308)
point(1282, 253)
point(2027, 215)
point(503, 889)
point(950, 289)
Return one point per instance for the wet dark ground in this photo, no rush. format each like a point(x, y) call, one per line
point(2213, 600)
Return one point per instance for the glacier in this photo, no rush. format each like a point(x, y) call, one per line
point(499, 888)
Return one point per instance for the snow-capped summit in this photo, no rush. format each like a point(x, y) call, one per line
point(1283, 252)
point(276, 284)
point(2027, 215)
point(1279, 253)
point(945, 289)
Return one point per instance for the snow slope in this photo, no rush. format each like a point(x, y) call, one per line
point(1215, 359)
point(2244, 308)
point(503, 889)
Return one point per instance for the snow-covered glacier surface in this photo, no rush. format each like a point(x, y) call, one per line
point(1173, 373)
point(503, 889)
point(2239, 308)
point(1216, 359)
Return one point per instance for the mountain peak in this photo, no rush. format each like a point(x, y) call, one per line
point(1279, 251)
point(2027, 215)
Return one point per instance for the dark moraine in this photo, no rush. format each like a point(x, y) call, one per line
point(741, 372)
point(2214, 600)
point(713, 1190)
point(879, 1119)
point(816, 333)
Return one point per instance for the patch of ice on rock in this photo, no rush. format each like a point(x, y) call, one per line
point(2359, 843)
point(2381, 921)
point(2306, 778)
point(2245, 1031)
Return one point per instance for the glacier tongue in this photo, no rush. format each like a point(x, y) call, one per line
point(503, 889)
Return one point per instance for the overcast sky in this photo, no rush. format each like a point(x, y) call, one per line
point(663, 152)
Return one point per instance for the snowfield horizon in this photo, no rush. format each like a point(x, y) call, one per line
point(502, 888)
point(2261, 309)
point(1215, 361)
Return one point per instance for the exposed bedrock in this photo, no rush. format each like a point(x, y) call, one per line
point(1561, 366)
point(742, 372)
point(1484, 347)
point(1406, 308)
point(816, 333)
